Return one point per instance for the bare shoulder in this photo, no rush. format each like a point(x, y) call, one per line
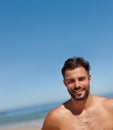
point(105, 102)
point(56, 112)
point(109, 103)
point(54, 118)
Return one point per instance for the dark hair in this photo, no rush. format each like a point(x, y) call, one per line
point(75, 62)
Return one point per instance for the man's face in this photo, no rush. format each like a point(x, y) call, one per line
point(77, 82)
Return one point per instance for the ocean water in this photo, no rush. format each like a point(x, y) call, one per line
point(29, 114)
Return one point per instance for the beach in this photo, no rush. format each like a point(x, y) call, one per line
point(31, 125)
point(28, 118)
point(23, 128)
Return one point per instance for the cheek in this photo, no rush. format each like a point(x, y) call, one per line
point(69, 87)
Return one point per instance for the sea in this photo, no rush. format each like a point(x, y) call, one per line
point(35, 113)
point(31, 114)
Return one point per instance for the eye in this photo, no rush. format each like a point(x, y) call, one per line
point(70, 81)
point(82, 78)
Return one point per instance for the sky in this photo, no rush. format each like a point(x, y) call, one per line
point(37, 36)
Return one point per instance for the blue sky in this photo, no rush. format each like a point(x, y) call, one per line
point(37, 36)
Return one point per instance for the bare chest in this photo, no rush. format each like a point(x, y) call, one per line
point(88, 126)
point(103, 122)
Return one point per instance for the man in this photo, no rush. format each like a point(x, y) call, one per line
point(83, 111)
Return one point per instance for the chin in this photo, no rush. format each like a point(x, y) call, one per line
point(81, 97)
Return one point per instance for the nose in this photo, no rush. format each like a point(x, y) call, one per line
point(77, 84)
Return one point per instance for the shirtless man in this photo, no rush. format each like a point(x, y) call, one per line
point(83, 111)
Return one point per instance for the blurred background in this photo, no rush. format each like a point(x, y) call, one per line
point(37, 36)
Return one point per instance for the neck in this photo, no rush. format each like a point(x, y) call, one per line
point(79, 106)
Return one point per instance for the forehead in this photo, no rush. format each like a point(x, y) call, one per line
point(80, 71)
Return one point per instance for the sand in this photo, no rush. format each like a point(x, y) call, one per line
point(22, 128)
point(34, 125)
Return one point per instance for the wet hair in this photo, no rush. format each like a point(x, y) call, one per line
point(75, 62)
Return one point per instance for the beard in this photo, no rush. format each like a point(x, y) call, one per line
point(79, 96)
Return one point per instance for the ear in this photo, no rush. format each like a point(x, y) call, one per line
point(64, 82)
point(89, 77)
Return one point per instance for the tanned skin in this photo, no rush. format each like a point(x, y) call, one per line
point(83, 111)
